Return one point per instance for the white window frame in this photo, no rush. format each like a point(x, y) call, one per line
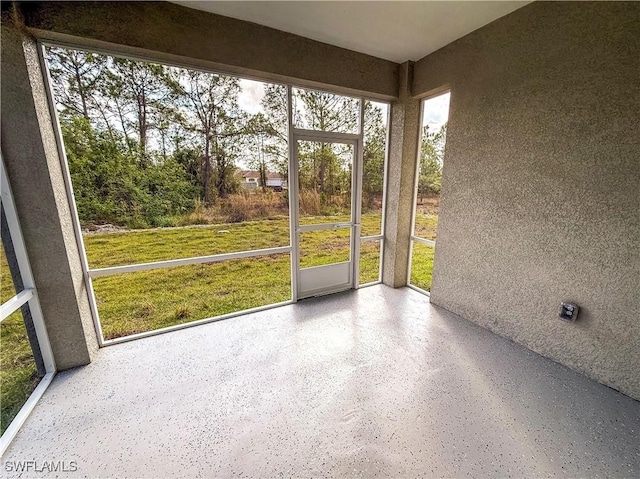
point(380, 238)
point(92, 273)
point(28, 295)
point(413, 238)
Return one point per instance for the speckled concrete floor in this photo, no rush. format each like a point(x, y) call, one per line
point(369, 383)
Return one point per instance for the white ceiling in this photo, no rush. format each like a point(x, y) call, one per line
point(394, 30)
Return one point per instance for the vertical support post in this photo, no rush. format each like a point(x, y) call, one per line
point(292, 196)
point(404, 131)
point(33, 163)
point(357, 178)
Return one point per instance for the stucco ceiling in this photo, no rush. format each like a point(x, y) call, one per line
point(396, 31)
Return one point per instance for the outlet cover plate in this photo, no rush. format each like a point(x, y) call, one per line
point(568, 311)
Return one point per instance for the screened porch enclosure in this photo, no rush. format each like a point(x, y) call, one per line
point(169, 232)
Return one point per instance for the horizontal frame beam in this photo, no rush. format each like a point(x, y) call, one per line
point(417, 239)
point(326, 136)
point(9, 307)
point(237, 46)
point(325, 226)
point(368, 239)
point(216, 258)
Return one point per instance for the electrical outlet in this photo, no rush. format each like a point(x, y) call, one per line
point(568, 311)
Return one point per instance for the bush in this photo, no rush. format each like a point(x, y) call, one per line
point(163, 222)
point(237, 208)
point(193, 219)
point(310, 203)
point(248, 206)
point(111, 186)
point(136, 223)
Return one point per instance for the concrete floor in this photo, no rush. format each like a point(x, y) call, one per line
point(369, 383)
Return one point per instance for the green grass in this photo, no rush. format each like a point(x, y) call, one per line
point(319, 248)
point(422, 255)
point(7, 289)
point(147, 300)
point(118, 249)
point(18, 375)
point(426, 226)
point(421, 266)
point(144, 246)
point(369, 262)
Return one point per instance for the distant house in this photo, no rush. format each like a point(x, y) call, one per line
point(251, 180)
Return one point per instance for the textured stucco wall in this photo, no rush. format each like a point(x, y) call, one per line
point(35, 173)
point(541, 187)
point(404, 127)
point(174, 33)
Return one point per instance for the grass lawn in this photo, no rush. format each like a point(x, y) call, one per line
point(159, 244)
point(18, 375)
point(421, 266)
point(426, 226)
point(146, 300)
point(422, 255)
point(136, 302)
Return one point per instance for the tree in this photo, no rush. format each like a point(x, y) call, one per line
point(210, 104)
point(431, 160)
point(127, 148)
point(274, 104)
point(326, 112)
point(105, 179)
point(148, 87)
point(259, 133)
point(110, 187)
point(373, 154)
point(75, 75)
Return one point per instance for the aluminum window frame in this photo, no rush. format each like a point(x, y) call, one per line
point(89, 273)
point(354, 140)
point(413, 238)
point(385, 178)
point(29, 295)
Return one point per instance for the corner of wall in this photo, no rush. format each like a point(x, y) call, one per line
point(35, 172)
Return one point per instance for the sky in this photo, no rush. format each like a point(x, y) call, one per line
point(252, 92)
point(436, 111)
point(251, 95)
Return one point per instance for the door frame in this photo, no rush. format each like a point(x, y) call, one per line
point(355, 139)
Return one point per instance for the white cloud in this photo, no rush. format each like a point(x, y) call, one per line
point(251, 96)
point(436, 111)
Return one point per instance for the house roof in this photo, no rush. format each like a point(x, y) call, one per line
point(250, 174)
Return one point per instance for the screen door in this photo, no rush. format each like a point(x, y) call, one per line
point(326, 220)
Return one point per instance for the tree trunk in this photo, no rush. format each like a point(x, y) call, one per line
point(142, 124)
point(206, 176)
